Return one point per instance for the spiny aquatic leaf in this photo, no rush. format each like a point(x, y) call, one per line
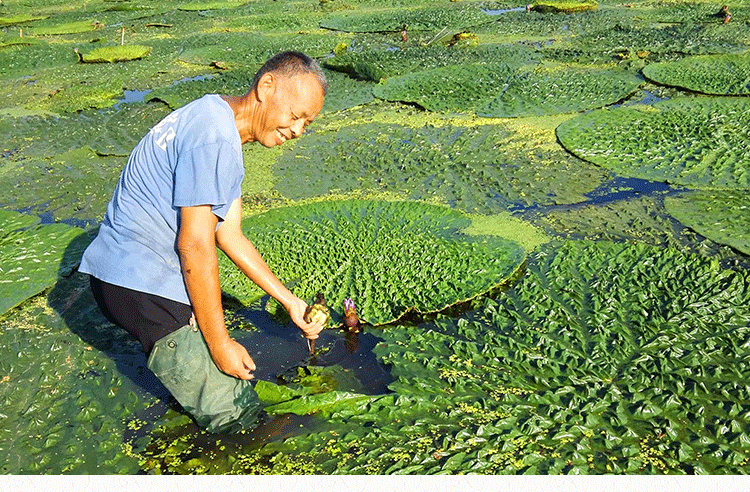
point(681, 38)
point(78, 183)
point(702, 142)
point(434, 17)
point(380, 64)
point(81, 96)
point(632, 219)
point(20, 19)
point(478, 167)
point(113, 54)
point(722, 75)
point(566, 6)
point(73, 27)
point(722, 216)
point(34, 257)
point(390, 257)
point(215, 5)
point(498, 90)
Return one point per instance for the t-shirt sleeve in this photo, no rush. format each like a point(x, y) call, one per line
point(208, 175)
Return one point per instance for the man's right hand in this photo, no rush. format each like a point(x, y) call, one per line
point(232, 358)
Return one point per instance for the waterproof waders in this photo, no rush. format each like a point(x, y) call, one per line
point(217, 401)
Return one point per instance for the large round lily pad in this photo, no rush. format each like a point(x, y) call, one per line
point(34, 256)
point(722, 216)
point(499, 90)
point(702, 142)
point(113, 54)
point(485, 167)
point(389, 257)
point(380, 64)
point(419, 18)
point(722, 75)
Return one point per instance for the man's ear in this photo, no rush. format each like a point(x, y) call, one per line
point(266, 86)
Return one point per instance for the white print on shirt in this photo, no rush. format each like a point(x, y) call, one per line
point(168, 133)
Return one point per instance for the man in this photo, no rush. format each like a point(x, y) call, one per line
point(153, 266)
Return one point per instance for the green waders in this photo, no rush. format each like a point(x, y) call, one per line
point(217, 401)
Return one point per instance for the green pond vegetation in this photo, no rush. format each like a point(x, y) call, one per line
point(541, 214)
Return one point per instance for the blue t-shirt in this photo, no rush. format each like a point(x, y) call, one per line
point(192, 157)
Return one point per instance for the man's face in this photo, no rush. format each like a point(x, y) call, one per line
point(287, 107)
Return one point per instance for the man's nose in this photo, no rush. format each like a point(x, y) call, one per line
point(297, 128)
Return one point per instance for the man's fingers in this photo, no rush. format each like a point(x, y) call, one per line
point(249, 363)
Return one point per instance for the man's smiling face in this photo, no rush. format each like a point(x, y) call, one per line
point(288, 105)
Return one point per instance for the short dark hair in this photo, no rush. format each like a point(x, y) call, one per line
point(289, 64)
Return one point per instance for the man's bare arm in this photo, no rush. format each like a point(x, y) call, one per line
point(240, 250)
point(196, 244)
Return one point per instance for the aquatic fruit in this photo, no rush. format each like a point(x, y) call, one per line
point(318, 312)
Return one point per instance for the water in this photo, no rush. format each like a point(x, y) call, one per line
point(135, 95)
point(278, 349)
point(504, 11)
point(132, 96)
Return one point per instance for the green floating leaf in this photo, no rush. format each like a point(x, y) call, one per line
point(73, 27)
point(380, 64)
point(114, 54)
point(77, 183)
point(474, 167)
point(322, 403)
point(217, 5)
point(345, 92)
point(390, 257)
point(34, 257)
point(701, 142)
point(498, 90)
point(20, 19)
point(675, 38)
point(271, 394)
point(566, 6)
point(723, 75)
point(721, 216)
point(82, 96)
point(419, 18)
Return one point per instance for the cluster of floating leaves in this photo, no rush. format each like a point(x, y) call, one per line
point(71, 386)
point(389, 257)
point(597, 361)
point(475, 168)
